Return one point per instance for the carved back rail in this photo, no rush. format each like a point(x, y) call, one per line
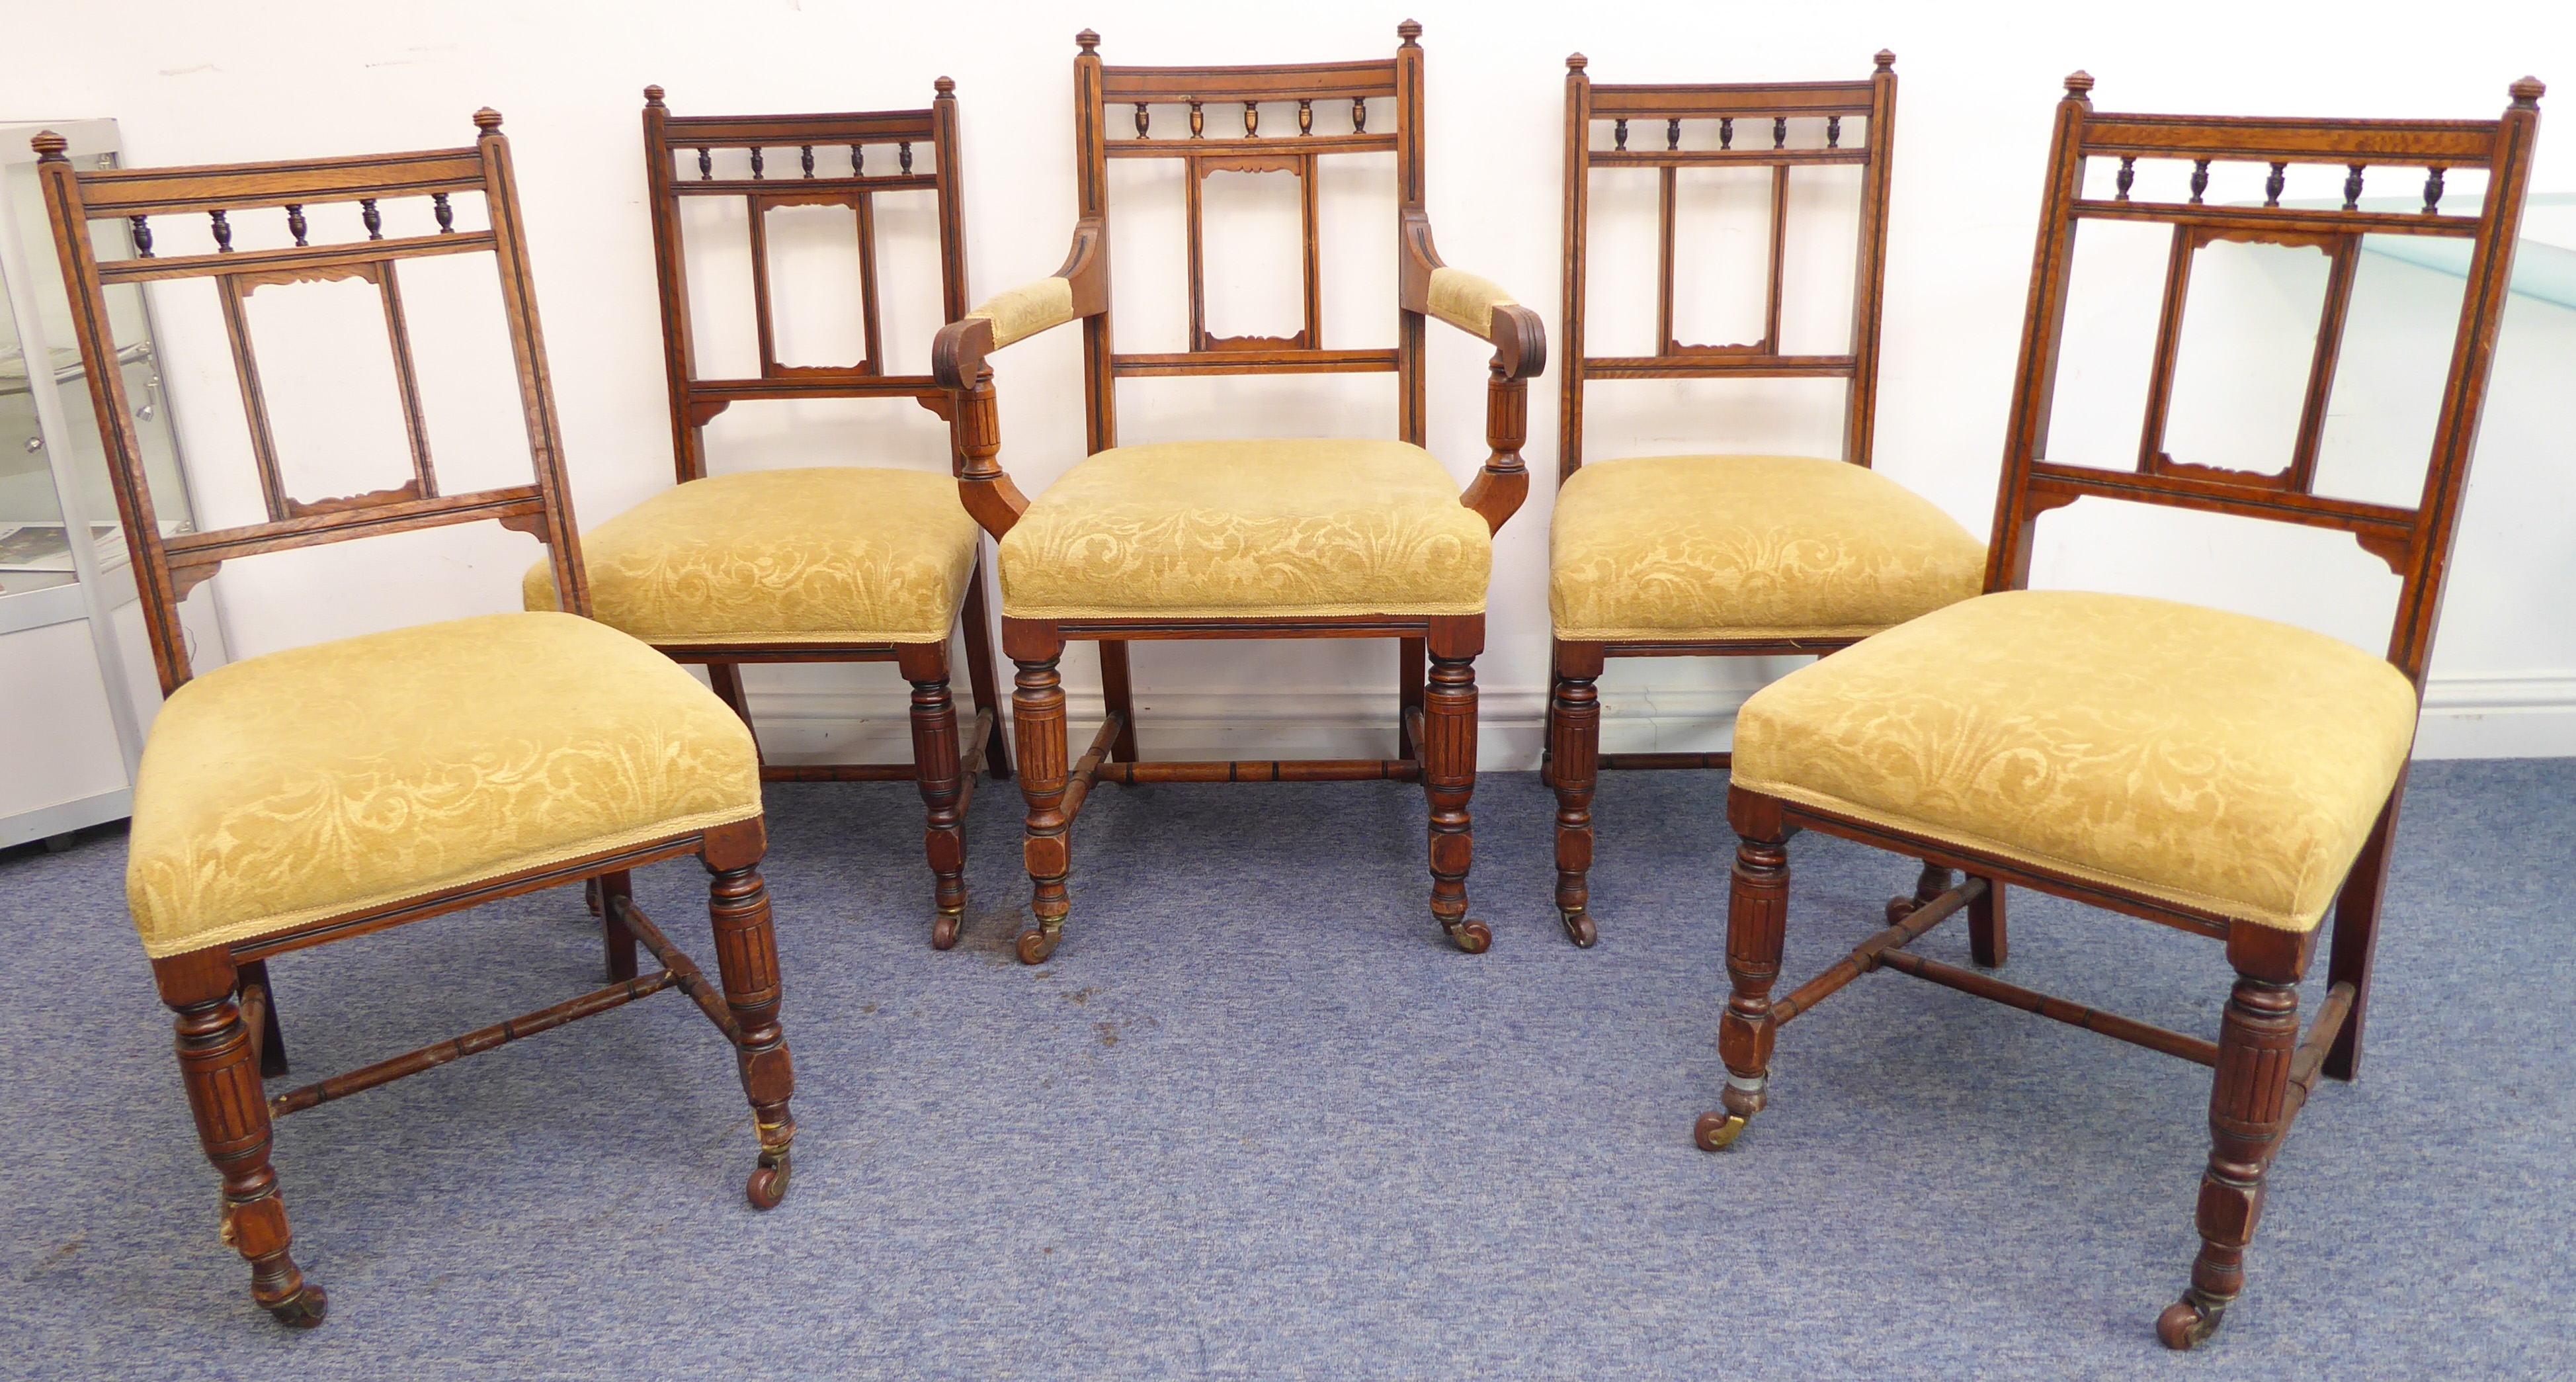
point(1114, 113)
point(841, 160)
point(2415, 542)
point(1753, 131)
point(389, 190)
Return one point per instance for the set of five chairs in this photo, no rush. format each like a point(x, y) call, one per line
point(2223, 775)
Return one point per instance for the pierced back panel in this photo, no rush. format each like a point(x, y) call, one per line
point(823, 146)
point(1325, 94)
point(2414, 541)
point(167, 568)
point(1753, 132)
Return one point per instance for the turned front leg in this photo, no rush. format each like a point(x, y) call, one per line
point(221, 1071)
point(747, 963)
point(1449, 780)
point(1574, 768)
point(1037, 719)
point(2249, 1112)
point(937, 771)
point(1756, 923)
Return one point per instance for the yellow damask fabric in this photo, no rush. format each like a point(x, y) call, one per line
point(324, 780)
point(1707, 547)
point(830, 554)
point(1025, 311)
point(1232, 528)
point(1465, 301)
point(2202, 758)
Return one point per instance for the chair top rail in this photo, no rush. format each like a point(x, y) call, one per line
point(1321, 81)
point(745, 131)
point(1697, 102)
point(224, 187)
point(2453, 143)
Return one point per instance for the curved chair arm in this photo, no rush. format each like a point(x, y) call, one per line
point(1481, 308)
point(1079, 289)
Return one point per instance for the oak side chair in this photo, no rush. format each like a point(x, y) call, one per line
point(323, 793)
point(1305, 538)
point(841, 563)
point(2227, 776)
point(1724, 556)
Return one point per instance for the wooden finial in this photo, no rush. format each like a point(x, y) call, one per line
point(50, 145)
point(1409, 30)
point(944, 87)
point(2528, 91)
point(2078, 82)
point(1576, 62)
point(652, 95)
point(487, 120)
point(1886, 60)
point(1090, 43)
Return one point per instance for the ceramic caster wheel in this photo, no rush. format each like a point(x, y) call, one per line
point(1037, 945)
point(1473, 937)
point(1579, 929)
point(943, 932)
point(304, 1309)
point(2187, 1323)
point(768, 1184)
point(1717, 1131)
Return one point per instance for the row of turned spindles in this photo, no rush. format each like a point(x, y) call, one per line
point(1726, 133)
point(804, 157)
point(1251, 117)
point(2279, 179)
point(221, 223)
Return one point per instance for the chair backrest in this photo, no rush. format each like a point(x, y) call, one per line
point(1763, 110)
point(166, 568)
point(822, 145)
point(2416, 541)
point(1325, 95)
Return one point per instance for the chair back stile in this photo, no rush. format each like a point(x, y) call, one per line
point(821, 145)
point(1753, 132)
point(1324, 94)
point(166, 569)
point(2415, 542)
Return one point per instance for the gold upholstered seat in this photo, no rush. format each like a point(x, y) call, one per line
point(2208, 759)
point(329, 779)
point(1262, 528)
point(1748, 547)
point(830, 554)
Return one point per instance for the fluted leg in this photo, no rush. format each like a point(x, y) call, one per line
point(1756, 917)
point(2249, 1111)
point(222, 1076)
point(1449, 780)
point(747, 961)
point(936, 767)
point(1574, 768)
point(1037, 715)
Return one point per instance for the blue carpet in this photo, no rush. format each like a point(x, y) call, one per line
point(1257, 1120)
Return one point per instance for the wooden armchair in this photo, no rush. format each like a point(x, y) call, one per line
point(1351, 539)
point(323, 793)
point(1724, 556)
point(842, 563)
point(2222, 775)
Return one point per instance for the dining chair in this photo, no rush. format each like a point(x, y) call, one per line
point(331, 791)
point(1289, 537)
point(2226, 776)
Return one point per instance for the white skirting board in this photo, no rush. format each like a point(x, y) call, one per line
point(2512, 715)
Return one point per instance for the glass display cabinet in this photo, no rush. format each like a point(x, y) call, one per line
point(77, 689)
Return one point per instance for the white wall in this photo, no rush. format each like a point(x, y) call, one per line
point(192, 83)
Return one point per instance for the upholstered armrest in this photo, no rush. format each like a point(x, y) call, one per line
point(1079, 289)
point(1480, 307)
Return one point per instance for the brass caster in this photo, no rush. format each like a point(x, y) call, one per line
point(304, 1309)
point(1036, 944)
point(1717, 1131)
point(2190, 1321)
point(769, 1183)
point(943, 932)
point(1579, 929)
point(1473, 937)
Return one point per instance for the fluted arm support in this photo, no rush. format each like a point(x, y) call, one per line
point(982, 485)
point(1480, 307)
